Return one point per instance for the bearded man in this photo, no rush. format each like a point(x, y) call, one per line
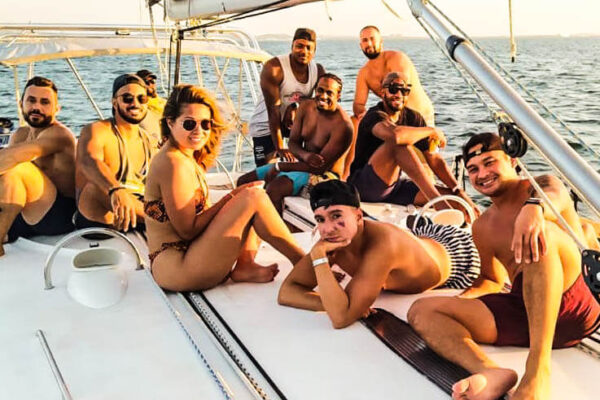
point(113, 157)
point(37, 169)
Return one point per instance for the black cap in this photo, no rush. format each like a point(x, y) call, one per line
point(126, 79)
point(305, 33)
point(144, 73)
point(333, 192)
point(489, 141)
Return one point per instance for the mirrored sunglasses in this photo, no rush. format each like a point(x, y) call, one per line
point(128, 98)
point(190, 124)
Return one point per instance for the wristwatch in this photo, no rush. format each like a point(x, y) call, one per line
point(534, 200)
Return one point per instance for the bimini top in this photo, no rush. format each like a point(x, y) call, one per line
point(183, 9)
point(21, 44)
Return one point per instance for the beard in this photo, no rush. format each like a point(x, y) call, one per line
point(43, 123)
point(131, 120)
point(372, 55)
point(389, 103)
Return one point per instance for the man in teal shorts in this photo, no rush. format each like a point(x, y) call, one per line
point(319, 138)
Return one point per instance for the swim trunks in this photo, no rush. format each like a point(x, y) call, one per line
point(578, 316)
point(373, 189)
point(57, 221)
point(298, 178)
point(262, 146)
point(465, 265)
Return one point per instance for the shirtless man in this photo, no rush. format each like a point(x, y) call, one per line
point(390, 138)
point(37, 169)
point(284, 80)
point(376, 254)
point(549, 305)
point(371, 75)
point(320, 136)
point(113, 157)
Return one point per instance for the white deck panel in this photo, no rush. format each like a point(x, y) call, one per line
point(134, 349)
point(307, 358)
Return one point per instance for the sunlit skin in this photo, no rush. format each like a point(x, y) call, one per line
point(38, 164)
point(338, 224)
point(135, 112)
point(303, 51)
point(375, 254)
point(189, 141)
point(271, 77)
point(40, 105)
point(489, 172)
point(99, 159)
point(151, 85)
point(512, 238)
point(370, 42)
point(320, 135)
point(327, 94)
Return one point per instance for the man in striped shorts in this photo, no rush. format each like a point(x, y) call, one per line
point(376, 255)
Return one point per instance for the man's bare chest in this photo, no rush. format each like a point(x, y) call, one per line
point(130, 151)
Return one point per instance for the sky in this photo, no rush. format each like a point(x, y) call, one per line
point(476, 17)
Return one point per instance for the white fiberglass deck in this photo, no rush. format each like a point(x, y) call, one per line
point(134, 349)
point(307, 358)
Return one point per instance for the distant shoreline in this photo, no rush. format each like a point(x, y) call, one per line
point(285, 37)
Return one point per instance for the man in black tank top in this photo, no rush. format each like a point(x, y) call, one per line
point(113, 157)
point(391, 139)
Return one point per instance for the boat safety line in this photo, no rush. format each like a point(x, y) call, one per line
point(214, 374)
point(197, 300)
point(506, 73)
point(64, 389)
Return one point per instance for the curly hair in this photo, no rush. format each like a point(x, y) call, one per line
point(190, 94)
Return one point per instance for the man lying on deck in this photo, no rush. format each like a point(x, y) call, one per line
point(377, 255)
point(549, 305)
point(37, 169)
point(390, 139)
point(113, 157)
point(320, 136)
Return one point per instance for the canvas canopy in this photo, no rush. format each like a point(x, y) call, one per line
point(183, 9)
point(18, 49)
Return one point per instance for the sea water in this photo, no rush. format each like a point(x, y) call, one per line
point(562, 72)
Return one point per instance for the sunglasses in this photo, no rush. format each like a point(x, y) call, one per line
point(128, 98)
point(395, 88)
point(191, 124)
point(150, 81)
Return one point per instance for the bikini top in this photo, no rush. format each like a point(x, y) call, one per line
point(133, 180)
point(156, 209)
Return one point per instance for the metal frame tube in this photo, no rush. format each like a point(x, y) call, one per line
point(584, 179)
point(64, 389)
point(84, 87)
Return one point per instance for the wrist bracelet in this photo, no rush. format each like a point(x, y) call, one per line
point(114, 189)
point(319, 261)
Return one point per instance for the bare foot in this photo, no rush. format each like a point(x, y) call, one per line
point(536, 388)
point(253, 272)
point(490, 384)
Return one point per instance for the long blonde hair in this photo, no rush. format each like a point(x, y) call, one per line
point(190, 94)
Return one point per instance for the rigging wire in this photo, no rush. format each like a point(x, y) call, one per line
point(513, 45)
point(506, 73)
point(498, 117)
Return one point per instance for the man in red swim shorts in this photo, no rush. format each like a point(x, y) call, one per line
point(549, 305)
